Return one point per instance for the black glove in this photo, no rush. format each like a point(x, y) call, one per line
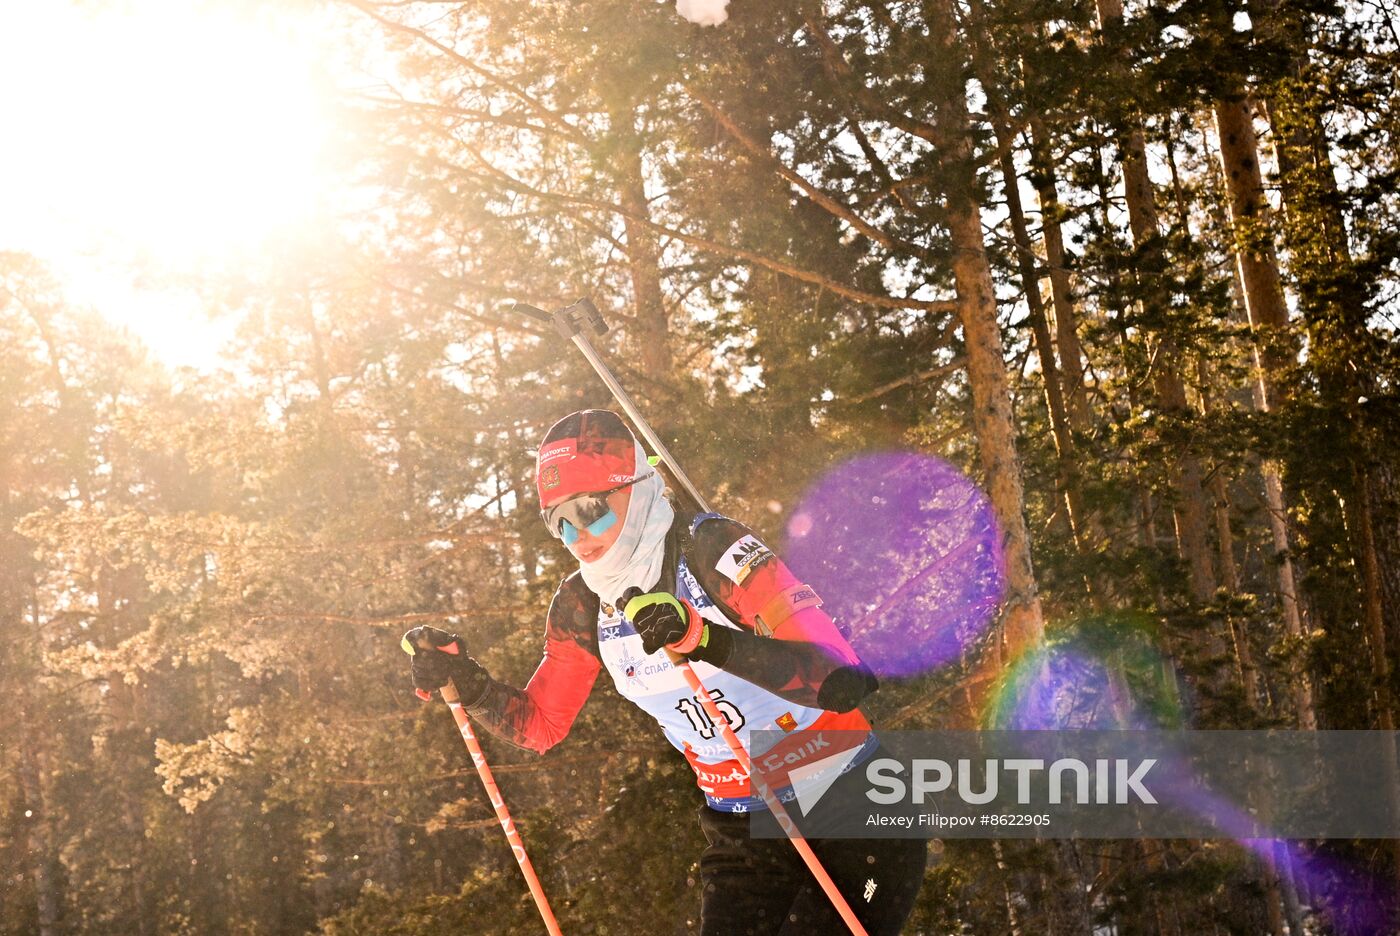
point(662, 620)
point(844, 688)
point(438, 657)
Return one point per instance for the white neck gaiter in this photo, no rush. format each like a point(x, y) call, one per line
point(635, 559)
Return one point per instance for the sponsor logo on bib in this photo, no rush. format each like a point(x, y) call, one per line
point(742, 558)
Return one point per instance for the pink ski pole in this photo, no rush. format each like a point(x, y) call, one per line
point(785, 822)
point(498, 802)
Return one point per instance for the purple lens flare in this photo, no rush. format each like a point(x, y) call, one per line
point(906, 552)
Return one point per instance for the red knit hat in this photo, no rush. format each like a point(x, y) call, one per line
point(585, 452)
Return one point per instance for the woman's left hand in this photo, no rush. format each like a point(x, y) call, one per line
point(660, 619)
point(664, 620)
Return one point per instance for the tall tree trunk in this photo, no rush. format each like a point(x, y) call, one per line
point(1143, 524)
point(1230, 580)
point(43, 855)
point(651, 331)
point(1071, 353)
point(1009, 898)
point(1169, 387)
point(1384, 494)
point(1315, 231)
point(1364, 546)
point(1244, 655)
point(120, 709)
point(19, 616)
point(1275, 349)
point(1024, 623)
point(140, 888)
point(1072, 364)
point(1333, 309)
point(1363, 534)
point(1065, 462)
point(1067, 474)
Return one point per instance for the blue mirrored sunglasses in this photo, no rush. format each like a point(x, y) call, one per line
point(585, 512)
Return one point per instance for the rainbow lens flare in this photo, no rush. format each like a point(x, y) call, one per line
point(1099, 671)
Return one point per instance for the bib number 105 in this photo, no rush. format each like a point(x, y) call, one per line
point(700, 720)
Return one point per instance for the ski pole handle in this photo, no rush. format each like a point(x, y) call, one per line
point(780, 813)
point(493, 792)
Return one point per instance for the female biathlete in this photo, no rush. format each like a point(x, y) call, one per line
point(650, 576)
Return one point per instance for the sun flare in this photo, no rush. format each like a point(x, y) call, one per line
point(175, 132)
point(148, 140)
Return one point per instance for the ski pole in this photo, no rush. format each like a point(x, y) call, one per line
point(775, 806)
point(493, 793)
point(569, 322)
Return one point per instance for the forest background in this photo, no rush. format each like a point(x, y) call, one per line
point(1132, 267)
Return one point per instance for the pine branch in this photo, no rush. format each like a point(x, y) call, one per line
point(933, 373)
point(464, 114)
point(893, 187)
point(565, 128)
point(812, 191)
point(508, 181)
point(839, 69)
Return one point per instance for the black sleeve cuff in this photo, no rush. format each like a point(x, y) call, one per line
point(474, 694)
point(716, 649)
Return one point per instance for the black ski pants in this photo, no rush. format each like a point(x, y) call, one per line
point(761, 887)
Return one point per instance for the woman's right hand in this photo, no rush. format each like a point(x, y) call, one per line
point(438, 658)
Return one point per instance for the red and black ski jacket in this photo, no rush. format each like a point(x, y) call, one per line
point(784, 646)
